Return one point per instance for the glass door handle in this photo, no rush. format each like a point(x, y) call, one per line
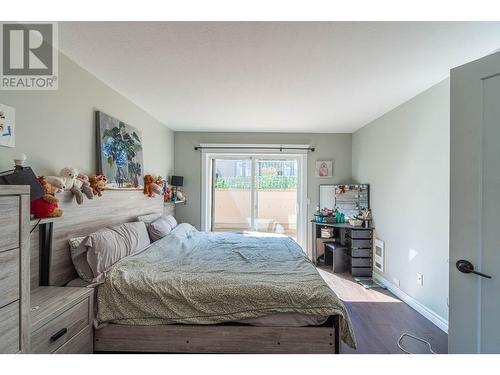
point(465, 266)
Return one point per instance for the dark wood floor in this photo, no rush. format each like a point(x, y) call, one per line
point(380, 318)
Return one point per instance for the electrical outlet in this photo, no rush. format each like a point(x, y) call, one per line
point(420, 279)
point(395, 281)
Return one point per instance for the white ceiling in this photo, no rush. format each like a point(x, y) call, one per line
point(273, 76)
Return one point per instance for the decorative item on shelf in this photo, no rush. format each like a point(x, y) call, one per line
point(176, 182)
point(98, 183)
point(71, 182)
point(326, 232)
point(46, 205)
point(325, 215)
point(167, 196)
point(365, 215)
point(339, 217)
point(86, 189)
point(355, 222)
point(150, 187)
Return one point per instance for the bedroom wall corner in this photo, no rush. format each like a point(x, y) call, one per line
point(404, 155)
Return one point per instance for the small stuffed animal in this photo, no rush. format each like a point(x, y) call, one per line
point(149, 181)
point(70, 174)
point(46, 205)
point(86, 189)
point(98, 183)
point(56, 182)
point(159, 181)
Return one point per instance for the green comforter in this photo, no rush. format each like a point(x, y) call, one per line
point(197, 277)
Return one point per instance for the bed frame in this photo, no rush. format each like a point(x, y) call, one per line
point(116, 207)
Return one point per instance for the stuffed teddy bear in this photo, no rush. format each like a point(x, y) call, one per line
point(98, 183)
point(150, 187)
point(56, 182)
point(46, 205)
point(69, 175)
point(86, 189)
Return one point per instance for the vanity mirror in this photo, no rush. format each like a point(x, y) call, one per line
point(349, 199)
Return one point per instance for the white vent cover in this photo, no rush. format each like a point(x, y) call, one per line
point(379, 255)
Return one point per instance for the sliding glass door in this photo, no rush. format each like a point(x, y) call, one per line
point(257, 193)
point(232, 195)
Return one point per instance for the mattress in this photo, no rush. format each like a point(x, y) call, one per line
point(193, 277)
point(271, 320)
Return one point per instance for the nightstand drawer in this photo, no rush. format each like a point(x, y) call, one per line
point(9, 222)
point(61, 329)
point(9, 276)
point(82, 343)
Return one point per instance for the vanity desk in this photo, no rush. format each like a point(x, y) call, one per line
point(354, 243)
point(348, 248)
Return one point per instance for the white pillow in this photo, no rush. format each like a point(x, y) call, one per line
point(99, 251)
point(161, 227)
point(108, 246)
point(79, 257)
point(148, 218)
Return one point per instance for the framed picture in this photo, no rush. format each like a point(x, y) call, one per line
point(7, 126)
point(119, 148)
point(324, 168)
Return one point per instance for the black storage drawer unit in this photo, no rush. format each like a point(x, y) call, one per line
point(359, 233)
point(361, 271)
point(358, 243)
point(361, 262)
point(361, 253)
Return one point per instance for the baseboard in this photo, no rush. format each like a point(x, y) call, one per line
point(410, 301)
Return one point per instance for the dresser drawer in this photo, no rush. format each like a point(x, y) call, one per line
point(9, 276)
point(361, 262)
point(360, 233)
point(9, 328)
point(361, 253)
point(361, 271)
point(9, 222)
point(61, 329)
point(359, 244)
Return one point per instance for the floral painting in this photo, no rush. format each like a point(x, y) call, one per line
point(120, 152)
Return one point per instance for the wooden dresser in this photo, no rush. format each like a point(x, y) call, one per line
point(14, 269)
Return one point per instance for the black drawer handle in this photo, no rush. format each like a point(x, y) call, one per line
point(58, 335)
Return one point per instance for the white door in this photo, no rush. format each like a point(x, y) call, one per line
point(474, 313)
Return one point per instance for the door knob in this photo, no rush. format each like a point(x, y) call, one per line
point(465, 266)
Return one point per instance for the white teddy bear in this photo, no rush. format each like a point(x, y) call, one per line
point(73, 184)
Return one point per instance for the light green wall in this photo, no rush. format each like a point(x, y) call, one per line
point(336, 147)
point(404, 155)
point(57, 128)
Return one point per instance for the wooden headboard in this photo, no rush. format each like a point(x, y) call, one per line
point(113, 207)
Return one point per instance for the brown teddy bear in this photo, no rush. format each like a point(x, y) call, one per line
point(149, 181)
point(46, 205)
point(98, 183)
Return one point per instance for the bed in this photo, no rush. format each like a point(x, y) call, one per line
point(207, 287)
point(210, 265)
